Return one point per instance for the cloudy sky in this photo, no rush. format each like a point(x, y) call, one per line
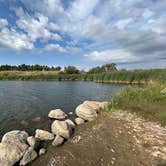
point(84, 33)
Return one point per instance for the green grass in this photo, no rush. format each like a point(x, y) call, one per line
point(129, 77)
point(28, 75)
point(148, 101)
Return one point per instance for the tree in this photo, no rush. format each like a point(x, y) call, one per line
point(103, 69)
point(58, 68)
point(71, 70)
point(109, 67)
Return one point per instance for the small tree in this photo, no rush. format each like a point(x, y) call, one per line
point(71, 70)
point(58, 68)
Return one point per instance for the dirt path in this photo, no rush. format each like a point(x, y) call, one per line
point(118, 139)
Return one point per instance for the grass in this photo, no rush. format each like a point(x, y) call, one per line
point(127, 77)
point(148, 101)
point(27, 75)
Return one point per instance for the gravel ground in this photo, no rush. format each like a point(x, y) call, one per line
point(115, 138)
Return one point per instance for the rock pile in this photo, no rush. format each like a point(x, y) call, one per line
point(18, 147)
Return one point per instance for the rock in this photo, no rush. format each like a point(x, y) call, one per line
point(79, 121)
point(70, 123)
point(12, 147)
point(36, 119)
point(31, 141)
point(58, 140)
point(29, 156)
point(61, 128)
point(57, 114)
point(17, 138)
point(42, 151)
point(9, 154)
point(70, 113)
point(85, 112)
point(96, 105)
point(92, 104)
point(43, 135)
point(24, 123)
point(76, 139)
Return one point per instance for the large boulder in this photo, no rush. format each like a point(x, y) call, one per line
point(9, 154)
point(96, 105)
point(86, 112)
point(44, 135)
point(57, 114)
point(29, 156)
point(17, 138)
point(13, 146)
point(58, 140)
point(92, 104)
point(61, 128)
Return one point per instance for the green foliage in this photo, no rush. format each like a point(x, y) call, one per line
point(148, 101)
point(71, 70)
point(129, 77)
point(103, 69)
point(25, 67)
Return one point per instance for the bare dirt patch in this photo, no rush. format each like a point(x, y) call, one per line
point(115, 138)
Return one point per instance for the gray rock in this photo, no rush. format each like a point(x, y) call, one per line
point(57, 114)
point(9, 154)
point(93, 104)
point(17, 138)
point(79, 121)
point(61, 128)
point(42, 151)
point(86, 112)
point(29, 156)
point(70, 123)
point(96, 105)
point(58, 140)
point(70, 113)
point(13, 146)
point(43, 135)
point(31, 141)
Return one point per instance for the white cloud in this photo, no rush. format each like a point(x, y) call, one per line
point(80, 9)
point(51, 8)
point(147, 14)
point(121, 24)
point(36, 28)
point(112, 55)
point(11, 39)
point(157, 25)
point(53, 26)
point(135, 27)
point(3, 22)
point(55, 48)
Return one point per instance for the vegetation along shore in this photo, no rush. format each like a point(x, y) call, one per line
point(105, 74)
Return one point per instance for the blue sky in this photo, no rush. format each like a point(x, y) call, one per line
point(84, 33)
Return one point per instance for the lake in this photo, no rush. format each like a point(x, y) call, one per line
point(25, 105)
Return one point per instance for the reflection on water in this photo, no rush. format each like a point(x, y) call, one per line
point(25, 105)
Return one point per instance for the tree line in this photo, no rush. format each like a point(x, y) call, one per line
point(25, 67)
point(67, 70)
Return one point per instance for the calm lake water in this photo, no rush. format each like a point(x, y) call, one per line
point(21, 101)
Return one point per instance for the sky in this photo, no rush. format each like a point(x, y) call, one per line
point(83, 33)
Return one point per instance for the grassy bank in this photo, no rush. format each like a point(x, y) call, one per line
point(127, 77)
point(27, 75)
point(148, 101)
